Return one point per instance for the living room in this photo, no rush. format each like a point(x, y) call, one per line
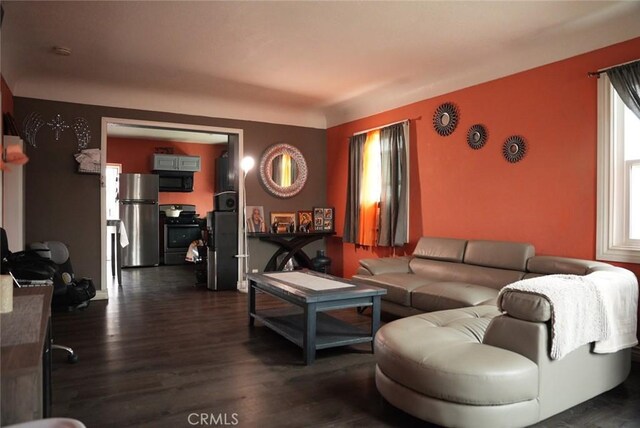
point(154, 359)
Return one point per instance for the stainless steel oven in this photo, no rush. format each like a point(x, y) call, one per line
point(179, 227)
point(177, 238)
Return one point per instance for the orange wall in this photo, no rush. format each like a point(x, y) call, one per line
point(548, 199)
point(135, 157)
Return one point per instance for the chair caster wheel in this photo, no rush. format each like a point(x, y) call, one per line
point(72, 358)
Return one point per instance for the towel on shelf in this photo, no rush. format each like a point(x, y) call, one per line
point(600, 307)
point(88, 160)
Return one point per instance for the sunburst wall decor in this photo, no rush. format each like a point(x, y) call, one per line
point(477, 136)
point(445, 119)
point(514, 148)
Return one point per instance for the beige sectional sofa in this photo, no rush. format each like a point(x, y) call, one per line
point(446, 273)
point(480, 365)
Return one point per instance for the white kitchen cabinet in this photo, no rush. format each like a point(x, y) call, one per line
point(161, 162)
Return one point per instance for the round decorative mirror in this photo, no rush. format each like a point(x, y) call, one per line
point(477, 136)
point(283, 170)
point(445, 119)
point(514, 148)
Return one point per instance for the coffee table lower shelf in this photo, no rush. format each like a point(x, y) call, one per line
point(330, 331)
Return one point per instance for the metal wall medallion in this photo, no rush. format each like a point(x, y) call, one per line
point(477, 136)
point(514, 148)
point(445, 119)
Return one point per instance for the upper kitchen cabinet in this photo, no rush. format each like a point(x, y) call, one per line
point(163, 162)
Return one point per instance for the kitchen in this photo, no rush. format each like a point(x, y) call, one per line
point(161, 185)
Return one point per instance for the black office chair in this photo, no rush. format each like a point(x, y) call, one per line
point(50, 260)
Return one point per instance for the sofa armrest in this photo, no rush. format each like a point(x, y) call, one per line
point(386, 265)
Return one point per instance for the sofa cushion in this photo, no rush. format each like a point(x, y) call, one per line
point(436, 270)
point(525, 306)
point(398, 285)
point(497, 254)
point(386, 265)
point(446, 249)
point(438, 296)
point(552, 265)
point(441, 355)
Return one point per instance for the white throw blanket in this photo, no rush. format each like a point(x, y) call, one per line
point(601, 307)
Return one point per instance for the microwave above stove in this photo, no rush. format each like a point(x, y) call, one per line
point(175, 181)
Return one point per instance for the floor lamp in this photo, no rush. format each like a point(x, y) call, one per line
point(246, 165)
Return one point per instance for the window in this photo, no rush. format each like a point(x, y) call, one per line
point(377, 208)
point(618, 235)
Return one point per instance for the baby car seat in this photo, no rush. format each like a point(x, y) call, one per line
point(68, 293)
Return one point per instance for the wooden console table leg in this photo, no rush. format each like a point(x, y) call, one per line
point(309, 335)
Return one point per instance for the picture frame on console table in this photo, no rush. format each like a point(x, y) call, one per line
point(305, 221)
point(283, 222)
point(256, 222)
point(323, 218)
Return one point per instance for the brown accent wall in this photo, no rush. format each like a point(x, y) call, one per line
point(64, 205)
point(7, 97)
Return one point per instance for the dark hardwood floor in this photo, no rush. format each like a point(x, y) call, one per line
point(161, 350)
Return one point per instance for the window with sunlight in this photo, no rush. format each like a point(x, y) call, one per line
point(377, 209)
point(618, 236)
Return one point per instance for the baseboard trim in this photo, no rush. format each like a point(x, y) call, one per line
point(635, 353)
point(101, 295)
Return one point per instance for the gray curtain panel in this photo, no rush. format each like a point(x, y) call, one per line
point(352, 212)
point(395, 181)
point(626, 81)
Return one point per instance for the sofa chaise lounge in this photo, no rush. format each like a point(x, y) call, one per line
point(480, 365)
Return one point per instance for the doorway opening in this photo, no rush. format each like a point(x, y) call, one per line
point(135, 134)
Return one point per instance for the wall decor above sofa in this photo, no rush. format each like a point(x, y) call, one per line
point(514, 148)
point(477, 136)
point(445, 119)
point(283, 170)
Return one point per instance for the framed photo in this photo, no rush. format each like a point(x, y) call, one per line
point(305, 221)
point(255, 219)
point(283, 222)
point(323, 218)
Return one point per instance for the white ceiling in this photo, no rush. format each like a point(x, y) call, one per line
point(309, 63)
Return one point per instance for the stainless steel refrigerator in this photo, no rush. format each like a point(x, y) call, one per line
point(139, 214)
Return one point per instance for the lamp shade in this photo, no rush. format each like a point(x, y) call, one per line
point(247, 164)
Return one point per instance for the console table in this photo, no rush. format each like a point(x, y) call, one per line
point(292, 244)
point(25, 355)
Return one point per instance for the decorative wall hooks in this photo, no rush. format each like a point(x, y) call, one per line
point(477, 136)
point(445, 119)
point(34, 121)
point(514, 148)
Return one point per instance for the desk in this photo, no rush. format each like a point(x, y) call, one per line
point(25, 356)
point(292, 244)
point(116, 250)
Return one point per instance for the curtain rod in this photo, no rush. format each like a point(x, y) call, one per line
point(603, 70)
point(380, 127)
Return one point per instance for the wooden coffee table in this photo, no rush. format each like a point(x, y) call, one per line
point(315, 293)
